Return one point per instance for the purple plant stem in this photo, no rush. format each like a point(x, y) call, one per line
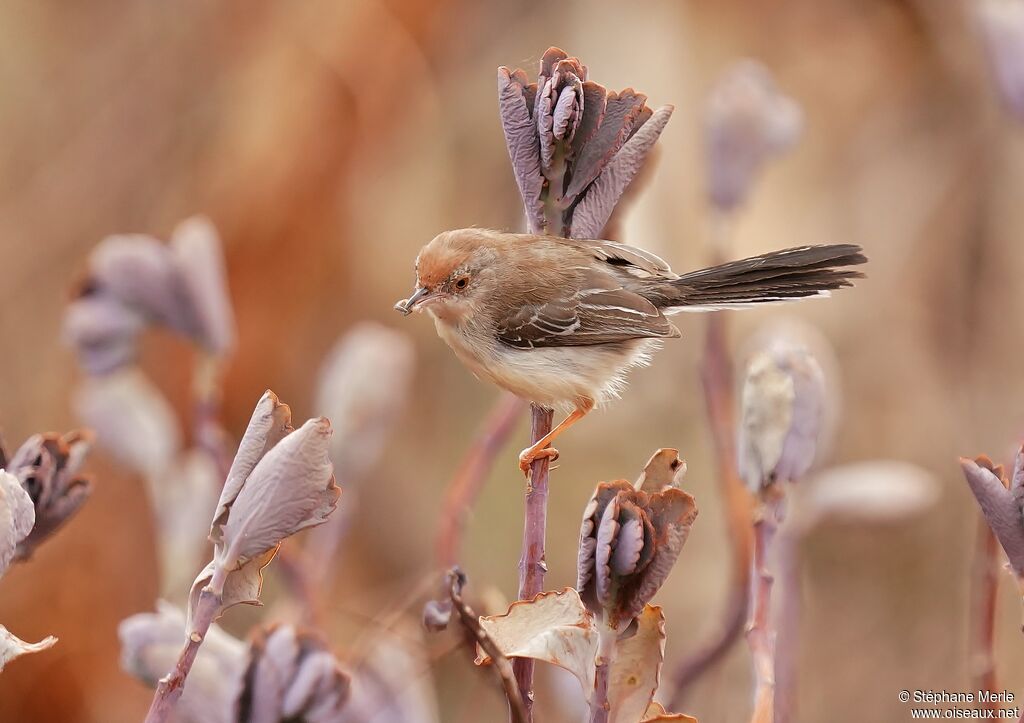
point(984, 592)
point(172, 685)
point(760, 636)
point(532, 564)
point(600, 710)
point(467, 482)
point(207, 430)
point(787, 640)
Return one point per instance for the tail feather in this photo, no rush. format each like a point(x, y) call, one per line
point(778, 276)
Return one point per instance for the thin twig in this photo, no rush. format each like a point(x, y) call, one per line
point(984, 591)
point(469, 479)
point(518, 711)
point(207, 429)
point(172, 685)
point(532, 564)
point(760, 635)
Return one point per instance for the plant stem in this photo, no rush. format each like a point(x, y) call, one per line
point(984, 592)
point(517, 708)
point(532, 564)
point(787, 638)
point(600, 709)
point(172, 685)
point(469, 479)
point(760, 636)
point(207, 431)
point(716, 373)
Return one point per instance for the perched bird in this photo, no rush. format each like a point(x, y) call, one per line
point(559, 321)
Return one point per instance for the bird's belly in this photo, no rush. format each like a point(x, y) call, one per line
point(552, 376)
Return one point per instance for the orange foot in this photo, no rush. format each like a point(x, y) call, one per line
point(529, 455)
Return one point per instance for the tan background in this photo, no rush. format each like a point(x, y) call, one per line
point(329, 140)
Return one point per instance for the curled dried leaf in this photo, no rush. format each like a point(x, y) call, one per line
point(636, 669)
point(46, 466)
point(11, 646)
point(664, 469)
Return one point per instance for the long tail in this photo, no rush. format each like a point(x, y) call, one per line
point(777, 276)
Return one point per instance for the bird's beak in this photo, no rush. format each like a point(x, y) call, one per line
point(406, 305)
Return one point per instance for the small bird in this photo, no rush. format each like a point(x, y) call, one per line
point(559, 321)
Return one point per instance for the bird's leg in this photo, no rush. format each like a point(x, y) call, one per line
point(543, 448)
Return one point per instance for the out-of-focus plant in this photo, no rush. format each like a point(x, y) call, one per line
point(575, 147)
point(284, 673)
point(281, 481)
point(1001, 23)
point(1000, 500)
point(363, 386)
point(607, 634)
point(136, 424)
point(782, 409)
point(747, 121)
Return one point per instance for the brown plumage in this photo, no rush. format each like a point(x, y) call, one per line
point(559, 321)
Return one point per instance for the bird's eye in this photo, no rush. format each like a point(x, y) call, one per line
point(462, 282)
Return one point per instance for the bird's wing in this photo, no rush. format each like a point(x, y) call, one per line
point(585, 318)
point(630, 259)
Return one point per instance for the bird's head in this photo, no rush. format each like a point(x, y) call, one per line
point(454, 273)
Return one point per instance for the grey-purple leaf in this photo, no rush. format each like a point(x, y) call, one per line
point(269, 424)
point(292, 487)
point(999, 507)
point(565, 116)
point(200, 258)
point(102, 331)
point(17, 515)
point(523, 148)
point(11, 646)
point(592, 213)
point(621, 112)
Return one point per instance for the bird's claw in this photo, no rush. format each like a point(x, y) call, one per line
point(528, 456)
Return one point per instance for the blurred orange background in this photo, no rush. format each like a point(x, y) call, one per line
point(328, 141)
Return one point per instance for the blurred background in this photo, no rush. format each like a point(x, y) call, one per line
point(328, 141)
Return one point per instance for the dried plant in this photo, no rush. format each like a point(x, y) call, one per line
point(746, 122)
point(283, 673)
point(1001, 23)
point(47, 467)
point(135, 423)
point(574, 148)
point(280, 482)
point(607, 634)
point(783, 402)
point(135, 280)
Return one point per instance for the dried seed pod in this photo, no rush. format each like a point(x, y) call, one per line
point(629, 541)
point(576, 148)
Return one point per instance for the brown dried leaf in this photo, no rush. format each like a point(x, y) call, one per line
point(636, 670)
point(664, 469)
point(656, 713)
point(554, 627)
point(12, 647)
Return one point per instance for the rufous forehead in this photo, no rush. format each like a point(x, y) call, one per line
point(438, 260)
